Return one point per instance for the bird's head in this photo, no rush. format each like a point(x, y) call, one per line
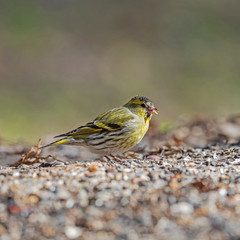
point(141, 106)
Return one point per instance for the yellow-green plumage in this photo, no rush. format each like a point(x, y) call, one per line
point(114, 131)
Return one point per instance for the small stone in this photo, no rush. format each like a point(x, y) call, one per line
point(118, 176)
point(14, 209)
point(69, 203)
point(222, 191)
point(73, 232)
point(2, 229)
point(182, 208)
point(33, 199)
point(93, 168)
point(99, 202)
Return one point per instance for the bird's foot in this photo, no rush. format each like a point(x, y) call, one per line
point(116, 158)
point(107, 157)
point(111, 157)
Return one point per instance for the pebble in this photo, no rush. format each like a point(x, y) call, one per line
point(182, 208)
point(73, 232)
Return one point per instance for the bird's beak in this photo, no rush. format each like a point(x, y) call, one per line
point(153, 110)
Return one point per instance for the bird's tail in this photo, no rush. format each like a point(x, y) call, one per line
point(58, 142)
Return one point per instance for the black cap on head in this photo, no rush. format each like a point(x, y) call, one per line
point(141, 98)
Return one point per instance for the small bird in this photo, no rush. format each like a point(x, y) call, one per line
point(114, 131)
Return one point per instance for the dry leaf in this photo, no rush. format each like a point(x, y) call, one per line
point(33, 157)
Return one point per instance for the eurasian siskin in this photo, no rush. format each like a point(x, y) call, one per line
point(114, 131)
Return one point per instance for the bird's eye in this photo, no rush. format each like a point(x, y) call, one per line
point(143, 105)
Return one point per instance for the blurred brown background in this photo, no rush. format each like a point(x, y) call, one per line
point(64, 62)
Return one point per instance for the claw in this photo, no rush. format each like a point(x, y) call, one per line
point(114, 157)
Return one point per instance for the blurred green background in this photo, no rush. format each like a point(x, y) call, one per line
point(64, 62)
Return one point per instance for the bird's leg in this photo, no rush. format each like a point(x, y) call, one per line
point(108, 158)
point(116, 158)
point(113, 157)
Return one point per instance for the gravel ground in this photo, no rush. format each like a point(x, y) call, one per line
point(184, 184)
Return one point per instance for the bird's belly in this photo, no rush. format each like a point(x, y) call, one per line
point(116, 142)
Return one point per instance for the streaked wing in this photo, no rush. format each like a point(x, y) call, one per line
point(109, 121)
point(83, 130)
